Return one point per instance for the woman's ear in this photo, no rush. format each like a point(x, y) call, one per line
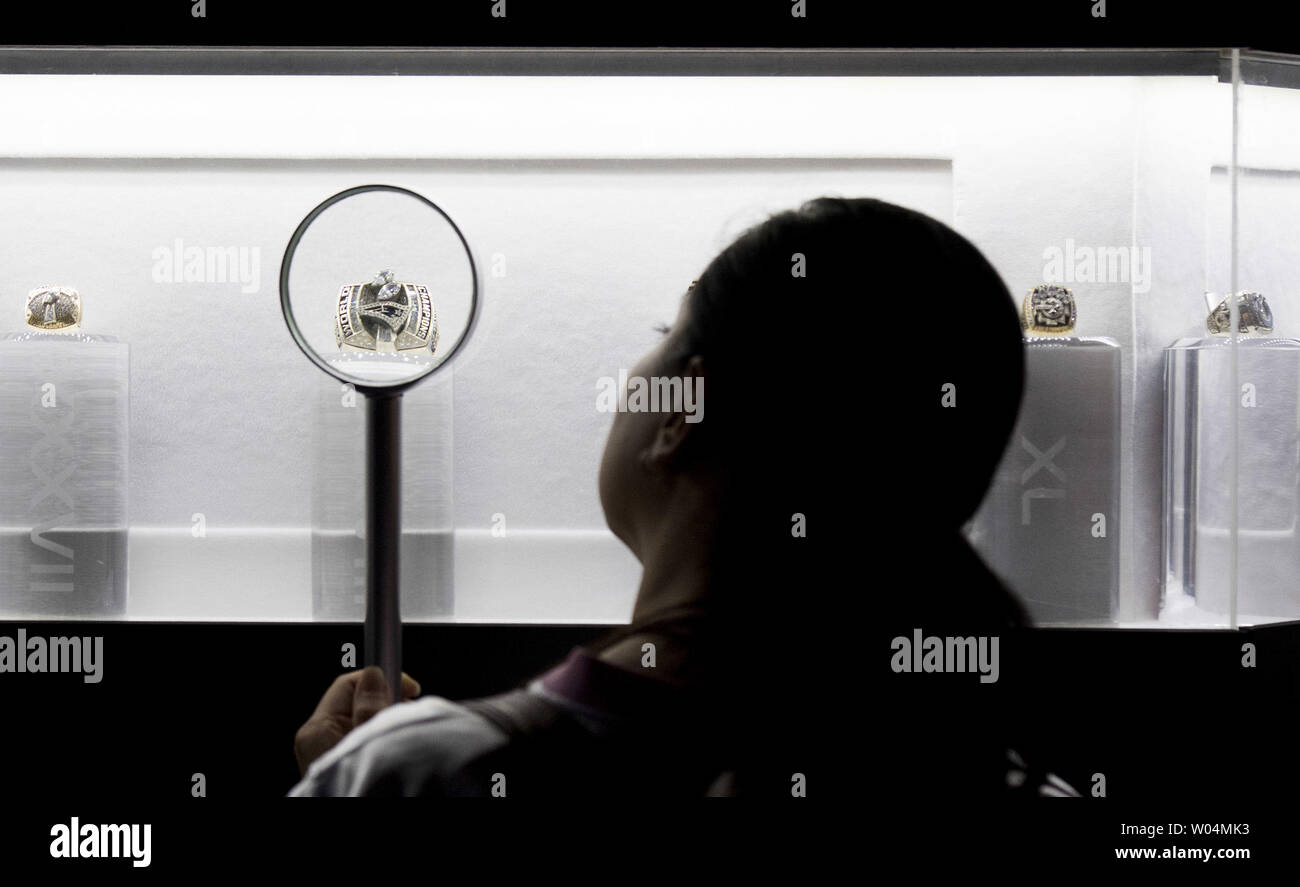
point(676, 435)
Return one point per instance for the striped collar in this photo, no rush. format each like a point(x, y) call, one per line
point(591, 683)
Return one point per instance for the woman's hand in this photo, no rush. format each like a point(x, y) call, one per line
point(351, 700)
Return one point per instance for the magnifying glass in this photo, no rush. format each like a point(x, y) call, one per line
point(378, 288)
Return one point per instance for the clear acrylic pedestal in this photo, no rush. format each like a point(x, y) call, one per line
point(1199, 400)
point(338, 545)
point(63, 469)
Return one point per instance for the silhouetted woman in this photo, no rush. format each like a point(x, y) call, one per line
point(862, 370)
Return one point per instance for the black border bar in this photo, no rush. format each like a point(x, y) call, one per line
point(576, 61)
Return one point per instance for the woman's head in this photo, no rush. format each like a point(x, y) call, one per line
point(825, 337)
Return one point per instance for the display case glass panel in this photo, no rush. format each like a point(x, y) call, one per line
point(1137, 183)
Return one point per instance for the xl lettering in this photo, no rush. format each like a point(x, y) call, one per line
point(1042, 462)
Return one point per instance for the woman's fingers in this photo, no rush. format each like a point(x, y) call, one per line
point(353, 699)
point(372, 695)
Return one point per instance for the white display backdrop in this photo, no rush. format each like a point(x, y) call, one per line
point(589, 204)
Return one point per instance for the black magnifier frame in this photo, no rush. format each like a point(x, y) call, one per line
point(382, 639)
point(287, 310)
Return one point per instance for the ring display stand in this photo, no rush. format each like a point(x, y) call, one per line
point(64, 445)
point(1049, 524)
point(1199, 400)
point(338, 501)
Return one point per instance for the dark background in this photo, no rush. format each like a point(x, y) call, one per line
point(1166, 715)
point(225, 699)
point(758, 23)
point(1182, 732)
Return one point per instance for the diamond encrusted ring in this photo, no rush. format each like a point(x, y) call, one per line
point(54, 309)
point(1254, 317)
point(1049, 310)
point(385, 316)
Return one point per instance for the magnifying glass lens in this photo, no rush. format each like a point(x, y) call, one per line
point(378, 286)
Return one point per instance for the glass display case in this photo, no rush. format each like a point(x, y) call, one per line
point(1153, 479)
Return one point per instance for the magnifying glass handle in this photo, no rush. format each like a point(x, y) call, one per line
point(383, 631)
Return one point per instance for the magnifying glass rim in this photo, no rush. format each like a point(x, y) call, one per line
point(286, 309)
